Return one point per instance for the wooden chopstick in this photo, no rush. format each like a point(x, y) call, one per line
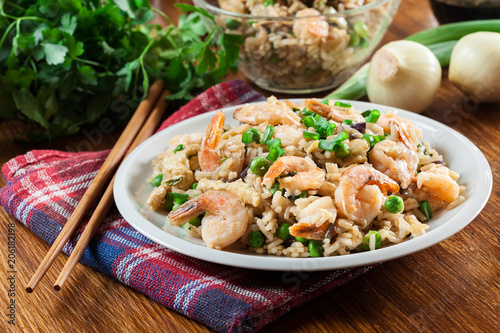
point(107, 199)
point(105, 172)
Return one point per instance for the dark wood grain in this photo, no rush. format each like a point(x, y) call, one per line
point(453, 286)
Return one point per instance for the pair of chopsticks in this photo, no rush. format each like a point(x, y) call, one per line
point(137, 130)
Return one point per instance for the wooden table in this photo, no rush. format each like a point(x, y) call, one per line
point(452, 286)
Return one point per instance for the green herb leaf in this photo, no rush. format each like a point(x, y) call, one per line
point(54, 53)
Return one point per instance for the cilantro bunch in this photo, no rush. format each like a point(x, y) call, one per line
point(64, 64)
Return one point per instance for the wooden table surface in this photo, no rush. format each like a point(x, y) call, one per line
point(452, 286)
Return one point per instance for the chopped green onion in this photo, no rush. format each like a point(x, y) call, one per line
point(354, 39)
point(255, 239)
point(196, 221)
point(333, 145)
point(268, 134)
point(274, 188)
point(174, 181)
point(366, 113)
point(222, 160)
point(315, 248)
point(169, 202)
point(259, 166)
point(373, 139)
point(310, 135)
point(274, 143)
point(331, 129)
point(194, 186)
point(343, 104)
point(157, 180)
point(347, 122)
point(365, 244)
point(251, 22)
point(268, 3)
point(302, 195)
point(373, 116)
point(360, 29)
point(309, 121)
point(322, 127)
point(394, 204)
point(178, 148)
point(425, 207)
point(306, 112)
point(275, 153)
point(251, 135)
point(232, 24)
point(343, 150)
point(274, 58)
point(325, 101)
point(326, 145)
point(283, 231)
point(174, 200)
point(302, 240)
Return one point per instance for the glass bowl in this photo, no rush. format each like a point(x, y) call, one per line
point(306, 52)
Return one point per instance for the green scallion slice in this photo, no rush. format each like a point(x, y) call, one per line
point(275, 153)
point(268, 134)
point(274, 143)
point(251, 135)
point(373, 116)
point(309, 121)
point(343, 104)
point(343, 150)
point(174, 181)
point(306, 112)
point(360, 29)
point(310, 135)
point(425, 207)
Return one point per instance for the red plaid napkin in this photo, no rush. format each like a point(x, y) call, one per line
point(45, 186)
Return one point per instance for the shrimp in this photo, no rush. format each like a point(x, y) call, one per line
point(338, 114)
point(289, 135)
point(397, 160)
point(209, 156)
point(412, 133)
point(359, 194)
point(308, 176)
point(314, 215)
point(273, 112)
point(226, 218)
point(438, 183)
point(311, 27)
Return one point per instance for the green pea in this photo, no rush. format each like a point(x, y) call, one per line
point(315, 248)
point(179, 148)
point(157, 180)
point(394, 204)
point(259, 166)
point(255, 239)
point(365, 245)
point(302, 240)
point(283, 231)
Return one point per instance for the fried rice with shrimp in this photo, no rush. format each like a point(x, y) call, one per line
point(310, 180)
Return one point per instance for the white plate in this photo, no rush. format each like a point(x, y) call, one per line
point(131, 191)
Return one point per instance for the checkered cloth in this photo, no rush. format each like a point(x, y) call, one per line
point(44, 187)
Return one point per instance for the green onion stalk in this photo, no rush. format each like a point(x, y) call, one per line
point(440, 40)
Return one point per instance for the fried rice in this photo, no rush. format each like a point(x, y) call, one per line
point(326, 169)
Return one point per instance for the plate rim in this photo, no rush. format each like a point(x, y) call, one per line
point(282, 263)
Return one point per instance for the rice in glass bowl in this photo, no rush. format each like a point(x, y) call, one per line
point(300, 46)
